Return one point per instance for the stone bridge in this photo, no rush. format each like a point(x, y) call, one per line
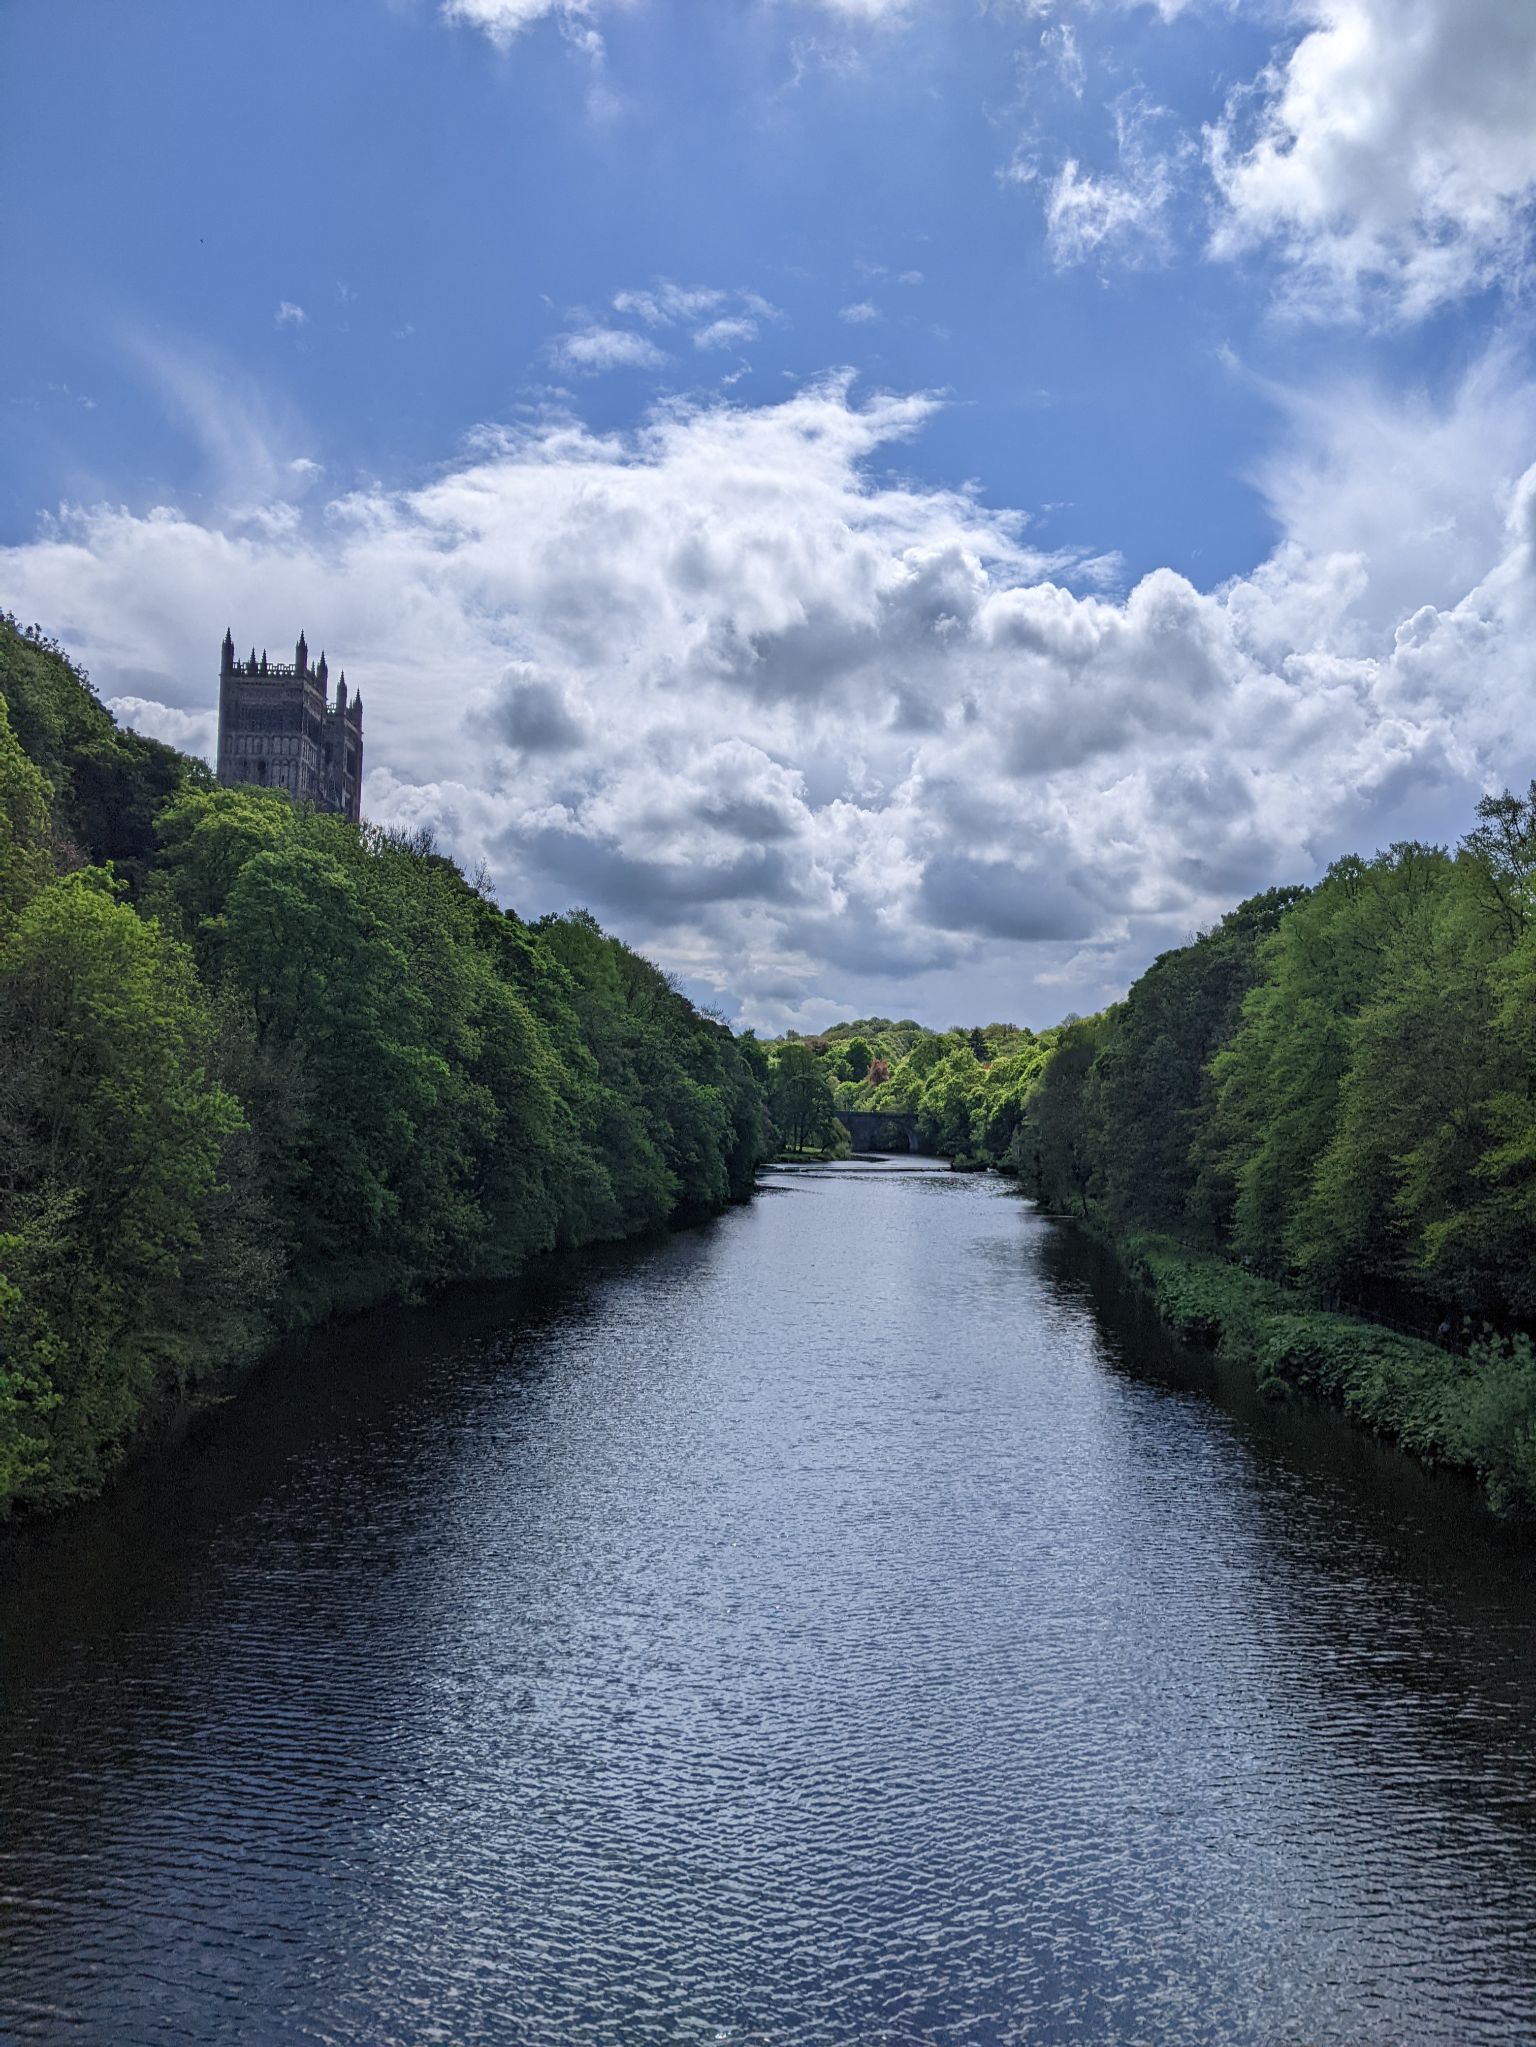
point(880, 1129)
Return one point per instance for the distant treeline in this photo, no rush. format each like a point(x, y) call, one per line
point(969, 1089)
point(1316, 1120)
point(258, 1065)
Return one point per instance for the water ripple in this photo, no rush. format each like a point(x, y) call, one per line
point(847, 1624)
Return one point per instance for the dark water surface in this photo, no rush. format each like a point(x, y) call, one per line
point(851, 1622)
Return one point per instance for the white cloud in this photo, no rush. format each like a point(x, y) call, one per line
point(868, 10)
point(505, 20)
point(192, 731)
point(821, 739)
point(1084, 213)
point(729, 333)
point(1389, 155)
point(590, 350)
point(855, 13)
point(290, 315)
point(860, 315)
point(1060, 44)
point(729, 317)
point(1124, 212)
point(664, 303)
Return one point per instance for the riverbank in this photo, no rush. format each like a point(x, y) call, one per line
point(1472, 1409)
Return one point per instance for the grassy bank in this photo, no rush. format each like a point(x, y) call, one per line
point(1472, 1408)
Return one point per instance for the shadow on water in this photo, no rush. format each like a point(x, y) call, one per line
point(1416, 1518)
point(101, 1566)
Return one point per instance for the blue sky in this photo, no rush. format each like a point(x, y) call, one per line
point(905, 506)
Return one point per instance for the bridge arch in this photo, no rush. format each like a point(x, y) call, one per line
point(880, 1129)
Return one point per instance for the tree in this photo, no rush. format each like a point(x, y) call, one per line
point(1058, 1145)
point(115, 1139)
point(1502, 852)
point(25, 822)
point(801, 1099)
point(857, 1059)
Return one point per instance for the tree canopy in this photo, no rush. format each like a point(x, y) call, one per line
point(258, 1065)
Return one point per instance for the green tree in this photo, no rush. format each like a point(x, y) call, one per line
point(857, 1059)
point(115, 1136)
point(25, 822)
point(1058, 1146)
point(801, 1099)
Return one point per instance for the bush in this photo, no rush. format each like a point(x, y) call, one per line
point(1491, 1419)
point(1478, 1411)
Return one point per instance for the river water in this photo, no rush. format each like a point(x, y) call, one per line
point(851, 1622)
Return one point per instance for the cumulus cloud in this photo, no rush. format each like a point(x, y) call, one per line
point(1389, 155)
point(811, 734)
point(861, 314)
point(661, 304)
point(668, 304)
point(194, 732)
point(532, 714)
point(719, 318)
point(290, 315)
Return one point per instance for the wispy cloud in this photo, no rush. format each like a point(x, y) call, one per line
point(290, 315)
point(590, 350)
point(728, 333)
point(664, 303)
point(1122, 211)
point(503, 21)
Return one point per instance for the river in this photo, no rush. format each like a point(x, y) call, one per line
point(848, 1622)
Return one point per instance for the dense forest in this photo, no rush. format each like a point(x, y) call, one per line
point(1313, 1131)
point(258, 1065)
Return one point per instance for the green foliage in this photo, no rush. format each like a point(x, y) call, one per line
point(1334, 1094)
point(1203, 1298)
point(858, 1057)
point(263, 1066)
point(25, 822)
point(114, 1135)
point(106, 784)
point(800, 1099)
point(1491, 1419)
point(966, 1088)
point(1478, 1410)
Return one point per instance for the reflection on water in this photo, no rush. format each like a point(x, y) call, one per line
point(852, 1622)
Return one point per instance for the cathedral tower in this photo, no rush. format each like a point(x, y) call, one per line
point(279, 730)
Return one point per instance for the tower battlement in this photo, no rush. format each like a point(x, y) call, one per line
point(278, 729)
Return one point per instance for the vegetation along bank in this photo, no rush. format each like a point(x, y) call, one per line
point(259, 1065)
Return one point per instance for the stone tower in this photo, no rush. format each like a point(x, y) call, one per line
point(279, 729)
